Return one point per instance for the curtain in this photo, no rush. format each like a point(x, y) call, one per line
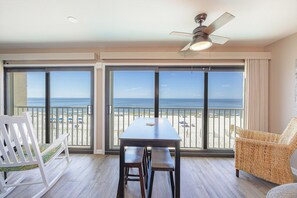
point(256, 94)
point(1, 88)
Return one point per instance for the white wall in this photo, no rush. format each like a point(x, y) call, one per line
point(282, 104)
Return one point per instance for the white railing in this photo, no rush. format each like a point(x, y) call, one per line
point(73, 120)
point(188, 122)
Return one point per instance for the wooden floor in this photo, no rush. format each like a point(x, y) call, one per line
point(97, 176)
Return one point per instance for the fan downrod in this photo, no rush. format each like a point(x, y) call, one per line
point(200, 18)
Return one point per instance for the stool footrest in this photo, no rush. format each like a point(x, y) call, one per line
point(132, 179)
point(133, 175)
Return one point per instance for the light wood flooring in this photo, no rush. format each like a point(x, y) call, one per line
point(97, 176)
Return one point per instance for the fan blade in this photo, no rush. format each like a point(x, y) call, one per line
point(181, 34)
point(218, 39)
point(186, 47)
point(218, 23)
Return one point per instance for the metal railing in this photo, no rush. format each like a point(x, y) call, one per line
point(73, 120)
point(188, 122)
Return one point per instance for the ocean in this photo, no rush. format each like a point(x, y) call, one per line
point(141, 102)
point(179, 103)
point(60, 102)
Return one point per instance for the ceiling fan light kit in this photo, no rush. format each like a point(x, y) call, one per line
point(202, 37)
point(200, 43)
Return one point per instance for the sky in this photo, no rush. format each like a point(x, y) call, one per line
point(73, 84)
point(185, 84)
point(140, 84)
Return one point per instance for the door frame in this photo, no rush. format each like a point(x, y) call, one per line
point(107, 92)
point(47, 70)
point(169, 67)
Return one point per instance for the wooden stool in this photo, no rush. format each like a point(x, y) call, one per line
point(161, 161)
point(134, 158)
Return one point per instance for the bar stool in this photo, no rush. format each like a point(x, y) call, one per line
point(160, 161)
point(135, 158)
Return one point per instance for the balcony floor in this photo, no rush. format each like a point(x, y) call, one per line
point(97, 176)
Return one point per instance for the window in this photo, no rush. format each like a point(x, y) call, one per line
point(204, 105)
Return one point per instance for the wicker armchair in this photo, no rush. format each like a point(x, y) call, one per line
point(267, 155)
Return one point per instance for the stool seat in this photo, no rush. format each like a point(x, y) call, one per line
point(161, 159)
point(134, 158)
point(134, 155)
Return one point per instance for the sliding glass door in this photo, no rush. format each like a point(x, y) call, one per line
point(60, 100)
point(130, 96)
point(25, 92)
point(71, 105)
point(181, 101)
point(225, 108)
point(203, 104)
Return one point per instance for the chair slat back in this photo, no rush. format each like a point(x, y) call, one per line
point(18, 144)
point(25, 143)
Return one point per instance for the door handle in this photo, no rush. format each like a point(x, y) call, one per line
point(109, 109)
point(89, 109)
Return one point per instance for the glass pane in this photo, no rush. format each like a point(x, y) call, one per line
point(26, 93)
point(132, 96)
point(181, 102)
point(225, 93)
point(70, 102)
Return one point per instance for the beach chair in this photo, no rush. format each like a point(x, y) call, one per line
point(19, 151)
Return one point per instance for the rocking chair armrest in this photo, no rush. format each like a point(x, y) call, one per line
point(252, 149)
point(56, 143)
point(259, 135)
point(261, 143)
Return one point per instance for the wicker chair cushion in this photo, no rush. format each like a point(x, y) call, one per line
point(46, 157)
point(290, 133)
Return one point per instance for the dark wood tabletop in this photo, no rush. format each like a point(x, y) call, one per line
point(146, 129)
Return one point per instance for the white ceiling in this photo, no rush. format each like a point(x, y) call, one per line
point(141, 23)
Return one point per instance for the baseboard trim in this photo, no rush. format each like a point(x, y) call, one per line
point(99, 152)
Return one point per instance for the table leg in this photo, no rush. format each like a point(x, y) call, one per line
point(121, 186)
point(177, 170)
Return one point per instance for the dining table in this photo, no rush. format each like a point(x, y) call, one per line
point(149, 132)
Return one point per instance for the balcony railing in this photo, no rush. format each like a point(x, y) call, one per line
point(188, 122)
point(73, 120)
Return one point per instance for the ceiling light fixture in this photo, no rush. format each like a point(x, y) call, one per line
point(201, 43)
point(72, 19)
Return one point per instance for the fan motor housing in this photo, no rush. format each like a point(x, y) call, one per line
point(199, 29)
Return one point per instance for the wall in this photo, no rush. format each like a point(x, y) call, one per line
point(215, 48)
point(99, 147)
point(20, 89)
point(282, 104)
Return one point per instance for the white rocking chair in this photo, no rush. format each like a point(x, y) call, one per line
point(20, 151)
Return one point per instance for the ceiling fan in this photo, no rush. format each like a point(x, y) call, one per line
point(202, 37)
